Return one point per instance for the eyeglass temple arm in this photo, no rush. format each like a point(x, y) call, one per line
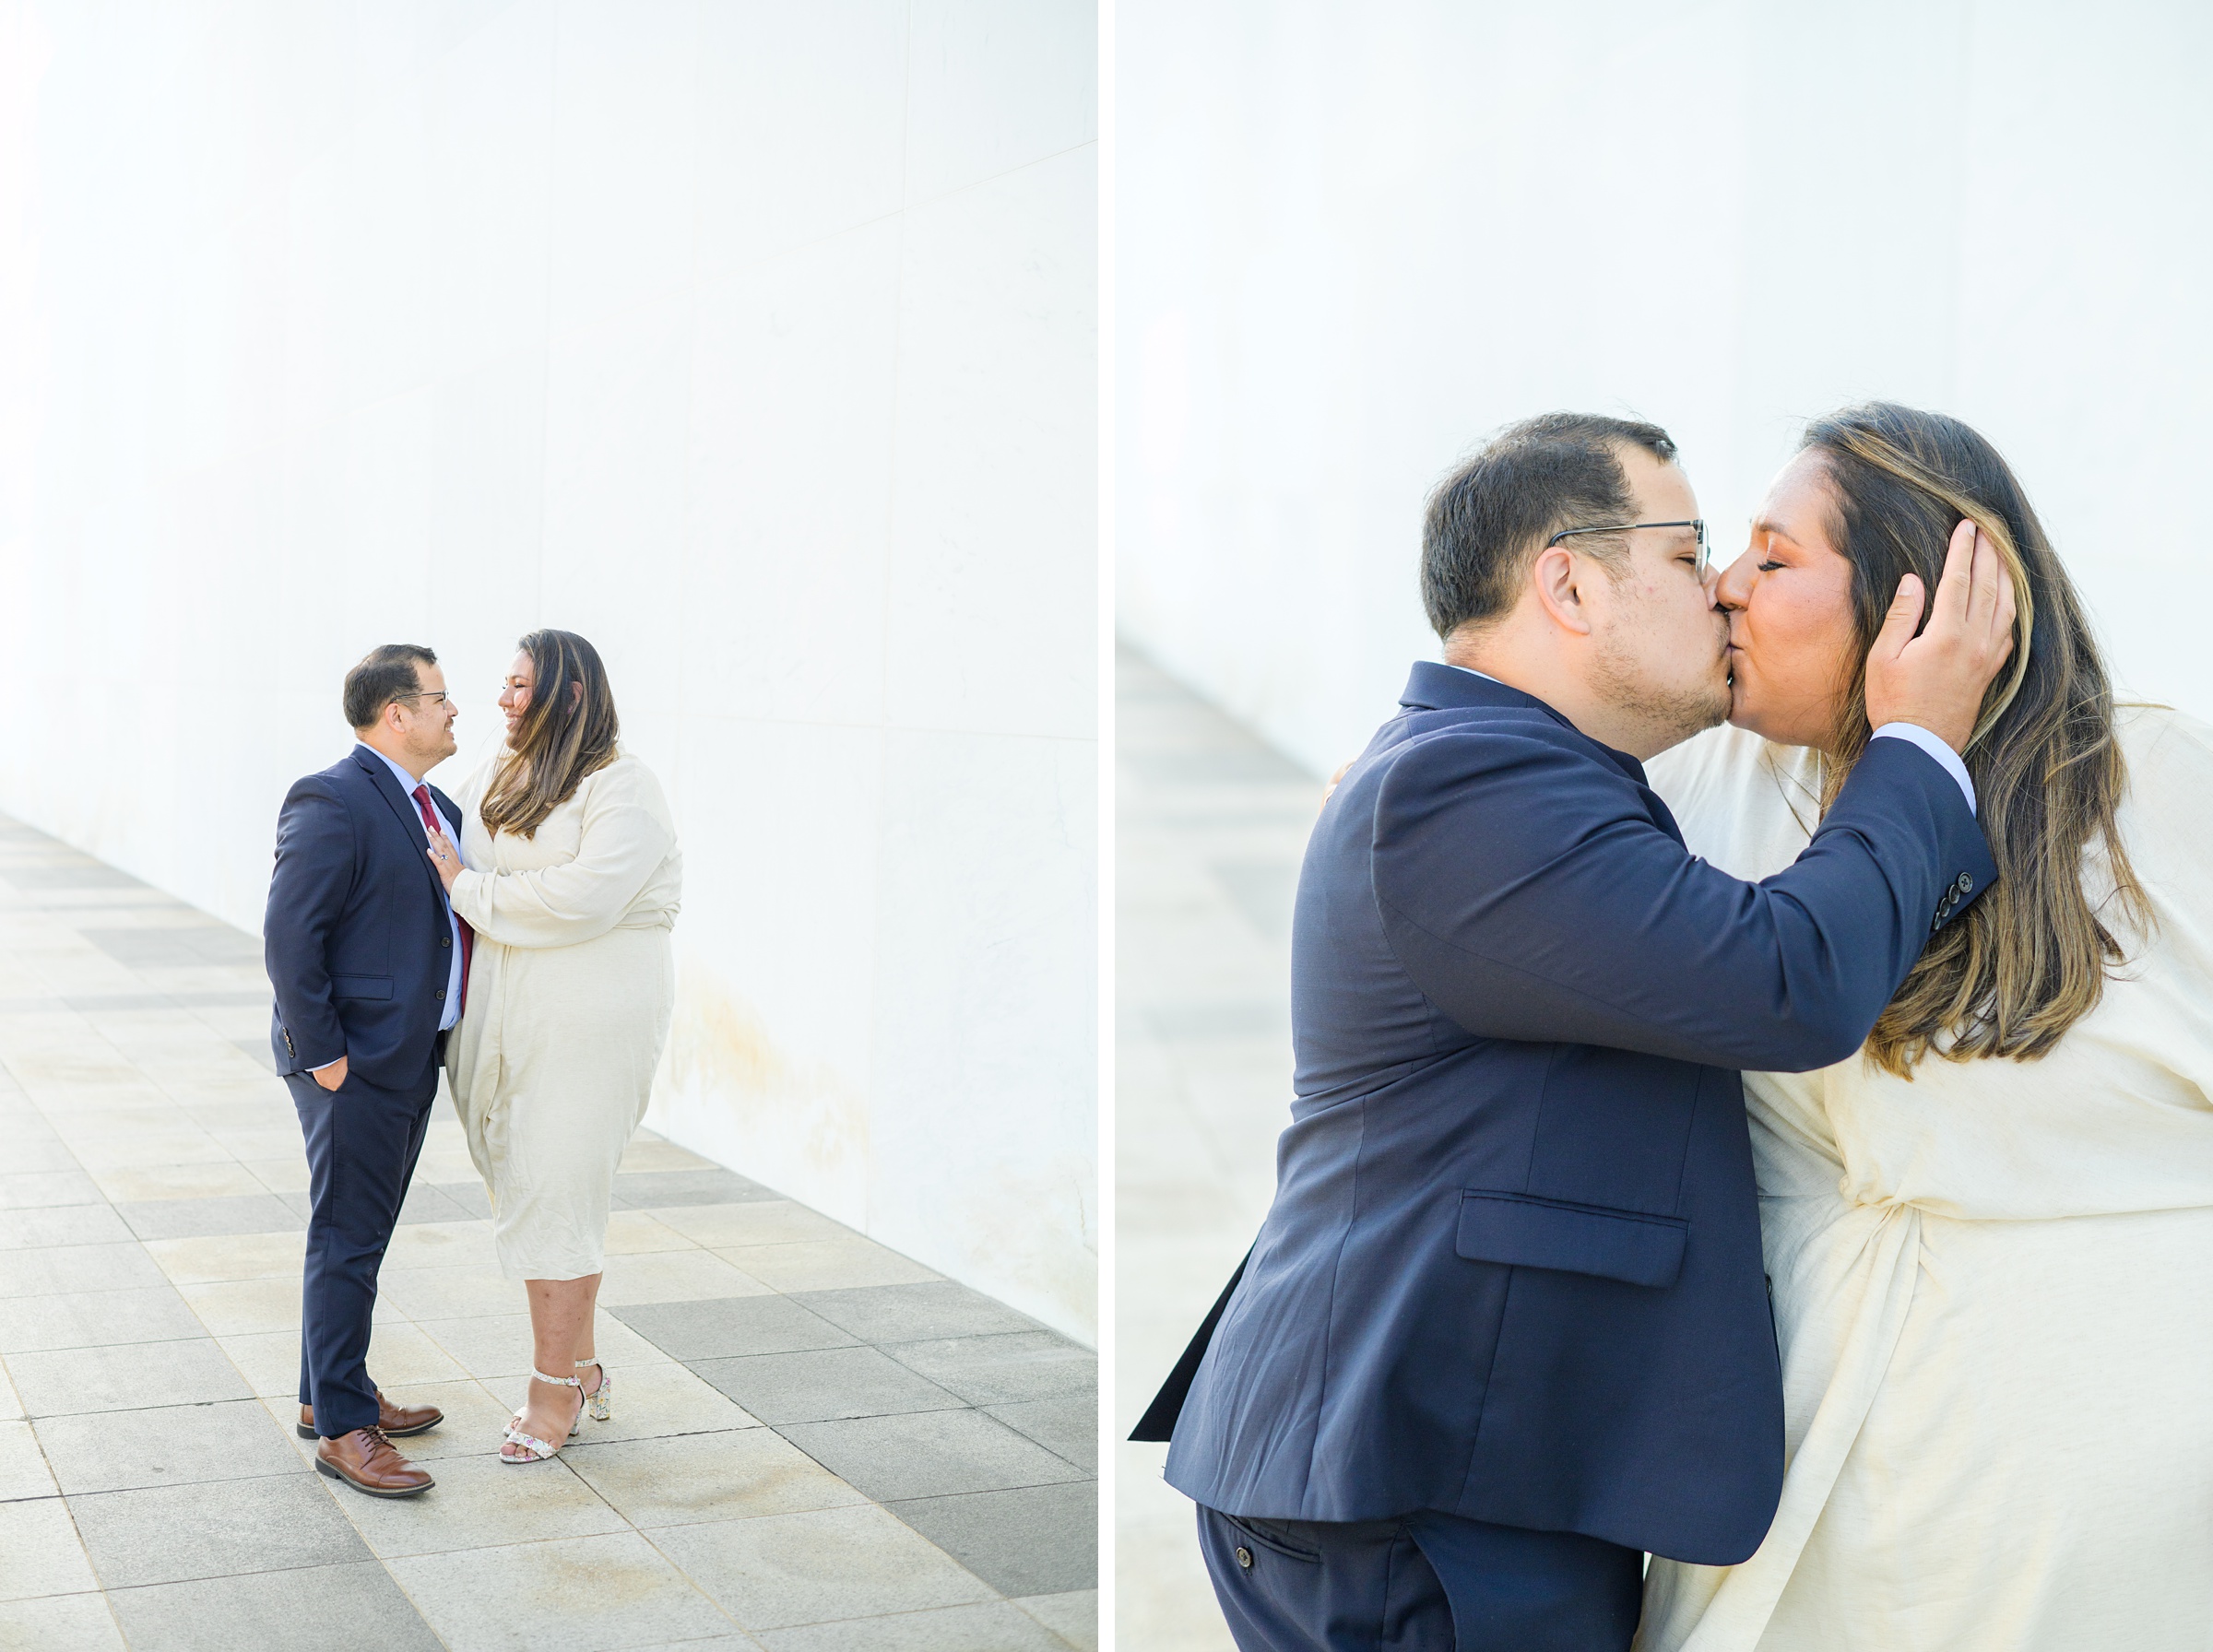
point(1618, 527)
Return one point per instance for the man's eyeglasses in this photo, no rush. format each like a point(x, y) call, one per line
point(1698, 525)
point(437, 696)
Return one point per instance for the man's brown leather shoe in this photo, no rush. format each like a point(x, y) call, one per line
point(368, 1462)
point(395, 1420)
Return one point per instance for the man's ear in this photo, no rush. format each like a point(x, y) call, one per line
point(1557, 576)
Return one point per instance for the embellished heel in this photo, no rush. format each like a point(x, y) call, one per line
point(540, 1450)
point(599, 1402)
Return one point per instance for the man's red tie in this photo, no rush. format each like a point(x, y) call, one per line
point(468, 936)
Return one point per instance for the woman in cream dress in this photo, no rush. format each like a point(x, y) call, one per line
point(570, 892)
point(1992, 1278)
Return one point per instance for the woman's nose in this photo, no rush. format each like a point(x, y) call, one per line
point(1734, 586)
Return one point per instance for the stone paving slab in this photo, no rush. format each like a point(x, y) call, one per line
point(929, 1454)
point(1210, 827)
point(818, 1443)
point(913, 1313)
point(354, 1608)
point(723, 1330)
point(1002, 1368)
point(174, 1534)
point(1022, 1541)
point(820, 1566)
point(820, 1385)
point(953, 1629)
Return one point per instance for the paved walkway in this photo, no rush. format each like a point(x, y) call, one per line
point(1211, 831)
point(818, 1446)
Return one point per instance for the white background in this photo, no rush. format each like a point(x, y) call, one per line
point(754, 341)
point(1353, 240)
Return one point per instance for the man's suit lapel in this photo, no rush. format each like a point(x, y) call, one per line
point(403, 807)
point(450, 810)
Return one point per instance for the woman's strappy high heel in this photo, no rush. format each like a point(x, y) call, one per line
point(599, 1402)
point(540, 1450)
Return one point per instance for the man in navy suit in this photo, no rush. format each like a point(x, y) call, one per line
point(369, 964)
point(1504, 1328)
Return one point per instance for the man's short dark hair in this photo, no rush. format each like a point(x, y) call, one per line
point(1489, 517)
point(384, 675)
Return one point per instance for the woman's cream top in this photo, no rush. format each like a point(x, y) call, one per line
point(606, 858)
point(2116, 1118)
point(1990, 1285)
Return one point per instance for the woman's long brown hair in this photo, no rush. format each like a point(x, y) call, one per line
point(566, 734)
point(2029, 958)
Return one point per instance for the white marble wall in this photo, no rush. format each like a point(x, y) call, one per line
point(1353, 240)
point(753, 340)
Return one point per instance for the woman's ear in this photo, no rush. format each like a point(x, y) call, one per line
point(1556, 576)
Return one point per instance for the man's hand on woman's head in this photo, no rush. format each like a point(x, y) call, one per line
point(1936, 680)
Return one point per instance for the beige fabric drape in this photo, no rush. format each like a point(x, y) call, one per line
point(1994, 1287)
point(569, 993)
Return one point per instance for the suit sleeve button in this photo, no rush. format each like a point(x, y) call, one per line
point(1966, 883)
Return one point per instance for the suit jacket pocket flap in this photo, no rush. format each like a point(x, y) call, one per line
point(361, 987)
point(1522, 1232)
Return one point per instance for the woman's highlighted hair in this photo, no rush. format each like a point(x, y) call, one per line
point(2029, 958)
point(567, 732)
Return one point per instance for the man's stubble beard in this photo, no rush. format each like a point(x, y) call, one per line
point(1668, 714)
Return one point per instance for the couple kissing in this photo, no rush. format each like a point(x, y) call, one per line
point(1780, 1149)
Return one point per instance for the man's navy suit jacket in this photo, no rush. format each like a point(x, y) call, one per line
point(356, 938)
point(1513, 1267)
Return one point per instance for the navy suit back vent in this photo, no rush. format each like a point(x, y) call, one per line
point(1512, 1270)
